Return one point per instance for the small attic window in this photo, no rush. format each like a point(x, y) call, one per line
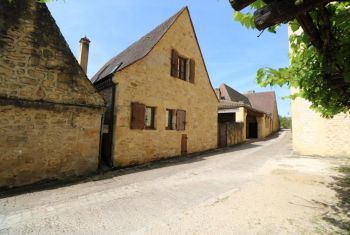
point(182, 67)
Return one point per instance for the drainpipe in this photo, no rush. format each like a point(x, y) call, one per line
point(111, 127)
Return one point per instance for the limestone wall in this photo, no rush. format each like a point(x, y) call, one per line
point(38, 144)
point(241, 117)
point(314, 135)
point(235, 133)
point(265, 126)
point(148, 81)
point(275, 119)
point(50, 114)
point(36, 62)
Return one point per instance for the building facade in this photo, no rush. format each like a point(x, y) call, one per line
point(314, 135)
point(161, 102)
point(236, 114)
point(50, 113)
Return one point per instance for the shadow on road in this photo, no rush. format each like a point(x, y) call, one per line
point(102, 175)
point(339, 215)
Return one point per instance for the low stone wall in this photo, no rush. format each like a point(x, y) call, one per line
point(235, 133)
point(47, 143)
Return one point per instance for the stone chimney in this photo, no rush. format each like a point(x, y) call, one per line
point(84, 53)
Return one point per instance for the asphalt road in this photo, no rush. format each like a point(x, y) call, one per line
point(135, 200)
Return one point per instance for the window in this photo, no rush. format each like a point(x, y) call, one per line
point(169, 119)
point(149, 117)
point(180, 120)
point(142, 117)
point(182, 68)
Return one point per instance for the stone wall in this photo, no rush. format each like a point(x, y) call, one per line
point(235, 133)
point(241, 117)
point(50, 114)
point(275, 119)
point(38, 143)
point(314, 135)
point(36, 62)
point(265, 126)
point(148, 81)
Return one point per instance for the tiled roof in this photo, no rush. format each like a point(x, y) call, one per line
point(232, 95)
point(227, 104)
point(264, 101)
point(136, 51)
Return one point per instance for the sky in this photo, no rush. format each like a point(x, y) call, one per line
point(231, 52)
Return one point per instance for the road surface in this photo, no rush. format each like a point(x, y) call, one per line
point(151, 201)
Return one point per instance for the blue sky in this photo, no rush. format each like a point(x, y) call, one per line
point(232, 53)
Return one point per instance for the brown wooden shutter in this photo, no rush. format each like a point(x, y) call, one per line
point(192, 71)
point(188, 69)
point(180, 120)
point(174, 64)
point(137, 116)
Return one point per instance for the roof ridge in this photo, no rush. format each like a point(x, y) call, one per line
point(138, 49)
point(259, 92)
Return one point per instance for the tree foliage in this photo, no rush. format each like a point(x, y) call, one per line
point(285, 122)
point(322, 76)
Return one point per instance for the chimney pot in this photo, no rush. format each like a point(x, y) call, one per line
point(84, 53)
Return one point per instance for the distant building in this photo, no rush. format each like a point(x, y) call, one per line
point(160, 99)
point(50, 114)
point(241, 117)
point(266, 102)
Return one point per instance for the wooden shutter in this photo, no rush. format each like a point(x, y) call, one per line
point(192, 71)
point(174, 64)
point(188, 69)
point(180, 120)
point(137, 116)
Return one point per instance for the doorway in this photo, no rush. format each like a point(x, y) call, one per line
point(108, 127)
point(252, 127)
point(184, 144)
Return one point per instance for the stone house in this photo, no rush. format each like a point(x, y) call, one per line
point(160, 99)
point(239, 119)
point(50, 114)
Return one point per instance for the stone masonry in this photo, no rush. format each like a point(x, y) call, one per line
point(314, 135)
point(50, 114)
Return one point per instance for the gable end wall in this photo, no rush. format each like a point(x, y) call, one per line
point(148, 81)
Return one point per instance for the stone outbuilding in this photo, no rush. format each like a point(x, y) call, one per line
point(239, 120)
point(50, 114)
point(266, 102)
point(160, 99)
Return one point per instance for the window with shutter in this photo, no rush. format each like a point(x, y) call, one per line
point(169, 119)
point(174, 64)
point(137, 116)
point(180, 120)
point(182, 68)
point(149, 117)
point(188, 69)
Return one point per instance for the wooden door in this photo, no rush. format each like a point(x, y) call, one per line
point(184, 144)
point(222, 135)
